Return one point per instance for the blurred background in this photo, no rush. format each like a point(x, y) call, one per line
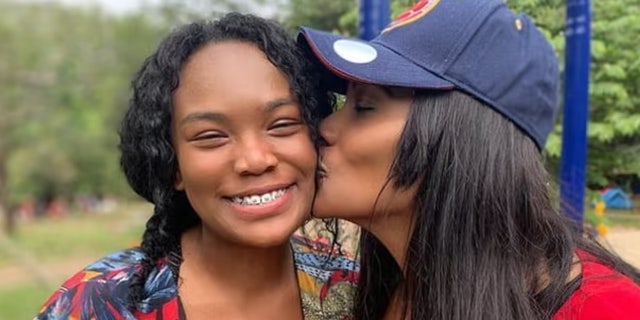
point(65, 70)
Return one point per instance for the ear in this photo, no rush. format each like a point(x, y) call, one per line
point(179, 183)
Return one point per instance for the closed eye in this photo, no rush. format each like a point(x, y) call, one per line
point(360, 107)
point(285, 127)
point(210, 139)
point(209, 135)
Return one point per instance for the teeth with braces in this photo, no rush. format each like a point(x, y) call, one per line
point(259, 199)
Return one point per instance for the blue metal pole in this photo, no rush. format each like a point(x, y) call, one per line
point(576, 109)
point(374, 15)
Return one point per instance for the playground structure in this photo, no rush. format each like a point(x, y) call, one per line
point(615, 198)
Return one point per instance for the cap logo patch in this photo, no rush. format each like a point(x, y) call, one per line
point(355, 51)
point(412, 14)
point(518, 24)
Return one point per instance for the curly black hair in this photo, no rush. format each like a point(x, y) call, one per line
point(147, 156)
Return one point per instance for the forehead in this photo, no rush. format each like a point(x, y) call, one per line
point(228, 62)
point(228, 74)
point(390, 91)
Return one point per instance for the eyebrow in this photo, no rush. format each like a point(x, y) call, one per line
point(219, 117)
point(203, 116)
point(275, 104)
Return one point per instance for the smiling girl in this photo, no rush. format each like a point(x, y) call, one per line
point(220, 136)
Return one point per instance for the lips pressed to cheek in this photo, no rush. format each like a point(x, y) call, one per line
point(361, 141)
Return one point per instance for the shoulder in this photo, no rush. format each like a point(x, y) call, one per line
point(321, 255)
point(603, 294)
point(618, 300)
point(100, 289)
point(327, 278)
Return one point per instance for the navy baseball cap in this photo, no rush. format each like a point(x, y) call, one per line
point(479, 47)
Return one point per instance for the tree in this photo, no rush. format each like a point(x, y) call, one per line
point(334, 16)
point(614, 127)
point(65, 82)
point(614, 122)
point(174, 12)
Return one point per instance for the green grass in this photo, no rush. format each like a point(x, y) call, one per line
point(613, 217)
point(624, 220)
point(46, 242)
point(21, 302)
point(77, 235)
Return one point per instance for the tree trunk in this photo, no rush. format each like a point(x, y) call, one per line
point(9, 217)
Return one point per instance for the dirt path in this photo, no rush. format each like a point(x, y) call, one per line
point(626, 243)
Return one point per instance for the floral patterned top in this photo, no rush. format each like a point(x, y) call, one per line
point(326, 280)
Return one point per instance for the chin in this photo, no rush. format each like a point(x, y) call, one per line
point(273, 234)
point(270, 240)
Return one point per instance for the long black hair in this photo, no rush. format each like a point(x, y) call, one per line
point(147, 155)
point(487, 241)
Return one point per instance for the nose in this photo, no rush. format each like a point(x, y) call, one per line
point(254, 157)
point(329, 129)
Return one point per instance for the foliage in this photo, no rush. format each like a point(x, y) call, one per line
point(334, 16)
point(175, 12)
point(614, 124)
point(614, 128)
point(65, 78)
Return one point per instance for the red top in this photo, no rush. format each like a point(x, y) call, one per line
point(604, 294)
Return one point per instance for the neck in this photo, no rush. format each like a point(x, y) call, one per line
point(236, 267)
point(393, 231)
